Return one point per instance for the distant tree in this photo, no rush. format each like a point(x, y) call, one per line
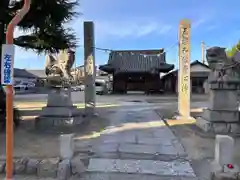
point(45, 24)
point(234, 49)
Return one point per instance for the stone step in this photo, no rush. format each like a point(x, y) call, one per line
point(122, 176)
point(133, 150)
point(150, 167)
point(107, 176)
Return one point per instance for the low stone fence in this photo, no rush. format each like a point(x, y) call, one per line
point(53, 167)
point(60, 167)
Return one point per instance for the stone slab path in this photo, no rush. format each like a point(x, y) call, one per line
point(137, 145)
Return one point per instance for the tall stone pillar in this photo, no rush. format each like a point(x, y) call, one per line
point(89, 68)
point(184, 70)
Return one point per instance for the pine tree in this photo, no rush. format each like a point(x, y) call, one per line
point(45, 21)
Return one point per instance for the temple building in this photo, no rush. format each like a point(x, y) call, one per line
point(136, 70)
point(198, 73)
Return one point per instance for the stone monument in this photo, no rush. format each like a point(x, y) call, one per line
point(60, 110)
point(222, 114)
point(223, 165)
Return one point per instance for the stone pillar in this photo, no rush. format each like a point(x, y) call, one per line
point(223, 165)
point(222, 114)
point(66, 146)
point(89, 68)
point(184, 70)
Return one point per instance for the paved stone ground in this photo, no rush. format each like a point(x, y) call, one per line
point(137, 145)
point(104, 176)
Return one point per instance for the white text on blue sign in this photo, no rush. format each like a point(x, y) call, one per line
point(7, 68)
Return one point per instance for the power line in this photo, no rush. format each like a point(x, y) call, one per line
point(103, 49)
point(98, 48)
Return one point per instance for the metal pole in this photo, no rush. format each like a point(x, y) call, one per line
point(9, 92)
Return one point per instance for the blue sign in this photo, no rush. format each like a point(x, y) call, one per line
point(7, 64)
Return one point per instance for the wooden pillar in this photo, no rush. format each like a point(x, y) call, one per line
point(184, 88)
point(89, 68)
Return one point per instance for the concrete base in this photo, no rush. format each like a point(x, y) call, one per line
point(65, 111)
point(47, 122)
point(224, 176)
point(218, 127)
point(228, 116)
point(224, 173)
point(59, 111)
point(184, 118)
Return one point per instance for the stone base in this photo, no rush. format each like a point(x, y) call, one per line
point(218, 127)
point(65, 111)
point(224, 173)
point(224, 176)
point(46, 122)
point(190, 118)
point(226, 116)
point(59, 111)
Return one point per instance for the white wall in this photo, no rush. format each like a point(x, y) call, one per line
point(199, 68)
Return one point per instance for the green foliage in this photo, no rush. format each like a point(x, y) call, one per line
point(234, 49)
point(45, 21)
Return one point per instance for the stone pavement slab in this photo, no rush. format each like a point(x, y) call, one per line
point(163, 132)
point(139, 144)
point(118, 138)
point(120, 176)
point(107, 176)
point(160, 168)
point(154, 141)
point(138, 148)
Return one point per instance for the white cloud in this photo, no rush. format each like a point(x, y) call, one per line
point(106, 29)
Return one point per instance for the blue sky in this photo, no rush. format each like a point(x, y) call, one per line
point(149, 24)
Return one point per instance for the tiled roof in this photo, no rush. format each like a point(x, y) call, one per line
point(24, 73)
point(135, 61)
point(196, 62)
point(38, 72)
